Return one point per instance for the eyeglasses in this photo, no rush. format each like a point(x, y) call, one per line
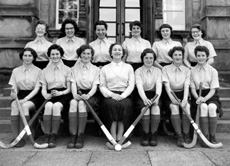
point(195, 32)
point(71, 28)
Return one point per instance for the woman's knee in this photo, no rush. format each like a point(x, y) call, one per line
point(204, 110)
point(147, 112)
point(81, 106)
point(174, 109)
point(48, 108)
point(212, 110)
point(73, 105)
point(14, 109)
point(155, 110)
point(57, 108)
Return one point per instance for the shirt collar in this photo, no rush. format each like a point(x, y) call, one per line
point(177, 68)
point(59, 65)
point(202, 67)
point(137, 39)
point(24, 68)
point(101, 40)
point(198, 42)
point(117, 64)
point(70, 39)
point(148, 69)
point(86, 65)
point(166, 41)
point(40, 40)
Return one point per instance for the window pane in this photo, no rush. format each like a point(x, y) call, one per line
point(175, 19)
point(111, 29)
point(112, 38)
point(107, 3)
point(132, 3)
point(132, 14)
point(107, 14)
point(127, 30)
point(173, 5)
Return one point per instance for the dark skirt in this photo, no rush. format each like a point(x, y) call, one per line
point(94, 100)
point(139, 104)
point(63, 99)
point(37, 99)
point(41, 64)
point(113, 110)
point(165, 64)
point(193, 64)
point(98, 64)
point(214, 99)
point(69, 63)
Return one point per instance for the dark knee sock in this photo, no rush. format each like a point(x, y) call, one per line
point(204, 125)
point(155, 120)
point(185, 124)
point(212, 125)
point(73, 123)
point(56, 121)
point(145, 123)
point(176, 122)
point(82, 122)
point(47, 119)
point(22, 124)
point(15, 124)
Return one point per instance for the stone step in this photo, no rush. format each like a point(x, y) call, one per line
point(5, 112)
point(225, 102)
point(224, 92)
point(6, 91)
point(5, 126)
point(5, 101)
point(226, 115)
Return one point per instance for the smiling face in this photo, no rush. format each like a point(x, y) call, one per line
point(55, 56)
point(69, 30)
point(117, 52)
point(101, 31)
point(40, 30)
point(196, 33)
point(177, 57)
point(136, 31)
point(166, 33)
point(148, 59)
point(201, 57)
point(86, 56)
point(27, 58)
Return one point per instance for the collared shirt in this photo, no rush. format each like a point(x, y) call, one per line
point(40, 46)
point(56, 76)
point(148, 78)
point(177, 77)
point(134, 47)
point(117, 77)
point(207, 74)
point(190, 47)
point(85, 76)
point(70, 47)
point(25, 78)
point(161, 49)
point(101, 49)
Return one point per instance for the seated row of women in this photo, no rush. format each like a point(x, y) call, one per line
point(116, 81)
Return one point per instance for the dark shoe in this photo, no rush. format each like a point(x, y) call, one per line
point(145, 139)
point(213, 139)
point(203, 144)
point(80, 141)
point(47, 138)
point(53, 141)
point(153, 139)
point(21, 143)
point(72, 141)
point(180, 140)
point(187, 139)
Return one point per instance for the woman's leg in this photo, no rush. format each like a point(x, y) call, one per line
point(113, 129)
point(145, 120)
point(212, 121)
point(82, 123)
point(204, 122)
point(15, 119)
point(155, 120)
point(47, 117)
point(176, 122)
point(186, 124)
point(120, 130)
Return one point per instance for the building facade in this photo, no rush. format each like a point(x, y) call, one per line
point(18, 18)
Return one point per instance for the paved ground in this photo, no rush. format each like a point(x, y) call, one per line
point(95, 153)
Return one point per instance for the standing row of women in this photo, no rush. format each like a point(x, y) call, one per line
point(116, 83)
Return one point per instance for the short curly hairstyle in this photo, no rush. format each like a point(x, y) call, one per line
point(111, 48)
point(100, 22)
point(135, 23)
point(41, 22)
point(83, 48)
point(199, 27)
point(176, 48)
point(69, 21)
point(201, 49)
point(28, 49)
point(165, 26)
point(144, 53)
point(55, 47)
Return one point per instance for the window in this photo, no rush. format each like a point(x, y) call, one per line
point(66, 9)
point(174, 13)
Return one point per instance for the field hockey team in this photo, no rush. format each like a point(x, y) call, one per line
point(118, 81)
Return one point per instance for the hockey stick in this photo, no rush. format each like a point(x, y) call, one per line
point(218, 145)
point(194, 140)
point(23, 132)
point(104, 129)
point(130, 129)
point(27, 128)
